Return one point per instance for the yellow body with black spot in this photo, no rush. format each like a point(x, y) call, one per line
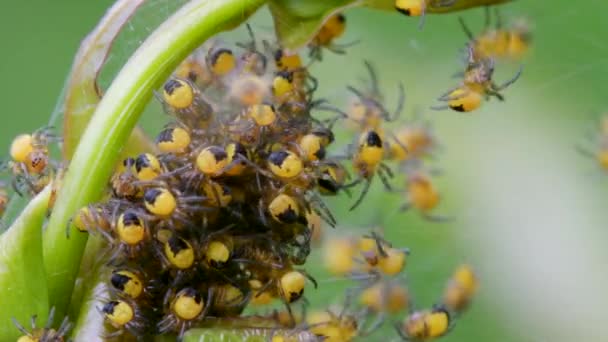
point(332, 29)
point(370, 152)
point(147, 167)
point(465, 100)
point(212, 161)
point(221, 61)
point(426, 325)
point(179, 252)
point(160, 202)
point(411, 8)
point(130, 228)
point(262, 114)
point(188, 304)
point(178, 94)
point(283, 85)
point(127, 283)
point(292, 286)
point(217, 253)
point(284, 209)
point(312, 147)
point(285, 164)
point(173, 140)
point(118, 312)
point(287, 62)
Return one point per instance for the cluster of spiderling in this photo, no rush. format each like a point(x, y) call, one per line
point(30, 165)
point(477, 84)
point(380, 292)
point(222, 214)
point(595, 145)
point(46, 333)
point(409, 147)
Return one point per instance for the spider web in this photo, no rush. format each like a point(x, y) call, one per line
point(142, 23)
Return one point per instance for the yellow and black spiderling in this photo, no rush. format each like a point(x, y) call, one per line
point(173, 140)
point(31, 165)
point(221, 61)
point(415, 8)
point(123, 181)
point(425, 325)
point(284, 209)
point(292, 285)
point(124, 316)
point(477, 84)
point(46, 333)
point(285, 164)
point(178, 94)
point(287, 62)
point(186, 307)
point(160, 202)
point(179, 252)
point(368, 162)
point(130, 228)
point(332, 29)
point(498, 41)
point(217, 254)
point(127, 283)
point(184, 100)
point(147, 167)
point(212, 161)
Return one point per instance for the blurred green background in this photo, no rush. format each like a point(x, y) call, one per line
point(529, 211)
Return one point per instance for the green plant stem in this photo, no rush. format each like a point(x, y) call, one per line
point(82, 89)
point(115, 118)
point(23, 290)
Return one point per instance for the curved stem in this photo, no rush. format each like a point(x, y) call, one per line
point(115, 118)
point(23, 291)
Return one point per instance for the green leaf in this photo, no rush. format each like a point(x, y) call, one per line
point(114, 119)
point(459, 5)
point(242, 335)
point(296, 22)
point(88, 294)
point(82, 93)
point(23, 290)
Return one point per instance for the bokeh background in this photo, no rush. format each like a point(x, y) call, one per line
point(528, 209)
